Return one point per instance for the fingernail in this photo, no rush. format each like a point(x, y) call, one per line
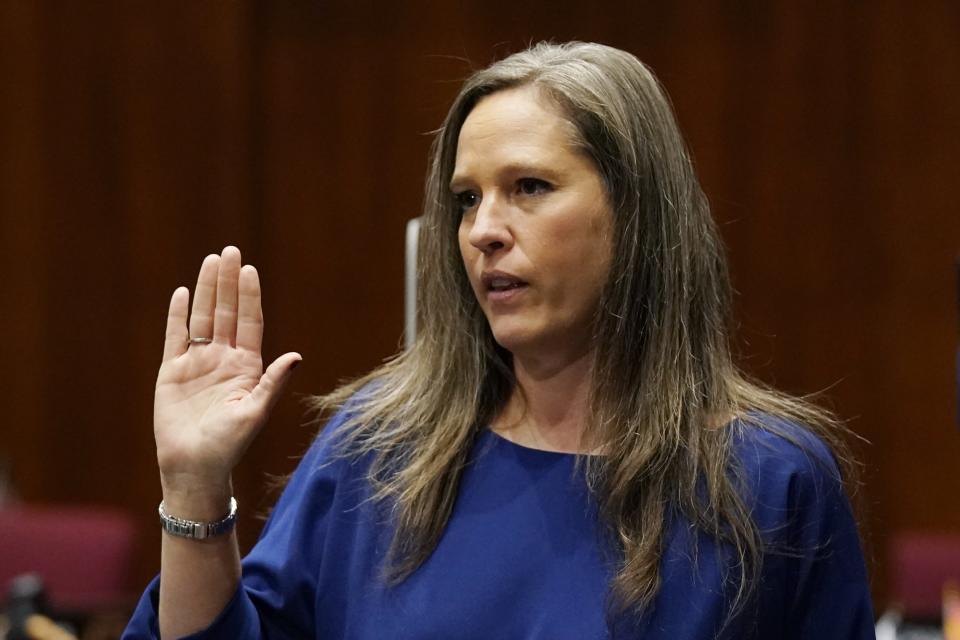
point(295, 364)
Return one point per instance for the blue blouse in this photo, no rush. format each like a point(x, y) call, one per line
point(522, 557)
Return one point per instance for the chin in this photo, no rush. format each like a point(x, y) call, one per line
point(512, 339)
point(510, 342)
point(528, 344)
point(538, 343)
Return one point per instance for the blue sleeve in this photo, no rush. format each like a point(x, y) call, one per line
point(278, 588)
point(832, 594)
point(814, 560)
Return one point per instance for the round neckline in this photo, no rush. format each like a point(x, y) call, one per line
point(533, 451)
point(529, 450)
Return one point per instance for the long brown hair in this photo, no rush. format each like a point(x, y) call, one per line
point(664, 381)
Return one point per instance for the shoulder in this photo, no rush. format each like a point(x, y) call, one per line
point(328, 462)
point(763, 443)
point(334, 436)
point(796, 495)
point(785, 470)
point(326, 475)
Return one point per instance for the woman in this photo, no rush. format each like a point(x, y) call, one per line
point(567, 451)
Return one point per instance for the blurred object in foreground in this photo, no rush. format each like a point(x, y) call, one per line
point(26, 606)
point(951, 611)
point(43, 628)
point(25, 597)
point(925, 601)
point(82, 555)
point(922, 563)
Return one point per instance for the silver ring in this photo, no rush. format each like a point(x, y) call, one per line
point(199, 340)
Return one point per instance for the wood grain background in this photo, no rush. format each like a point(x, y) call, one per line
point(137, 137)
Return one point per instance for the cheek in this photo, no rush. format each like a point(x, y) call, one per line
point(579, 248)
point(582, 268)
point(462, 234)
point(468, 254)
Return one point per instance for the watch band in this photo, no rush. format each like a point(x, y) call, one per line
point(198, 530)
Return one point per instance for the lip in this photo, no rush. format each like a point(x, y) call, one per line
point(488, 278)
point(506, 296)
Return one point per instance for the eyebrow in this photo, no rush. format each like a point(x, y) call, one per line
point(514, 168)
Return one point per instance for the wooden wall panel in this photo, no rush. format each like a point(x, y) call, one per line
point(23, 343)
point(136, 139)
point(130, 162)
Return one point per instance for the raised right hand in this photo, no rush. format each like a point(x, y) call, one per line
point(212, 399)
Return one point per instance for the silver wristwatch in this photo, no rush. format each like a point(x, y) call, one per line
point(198, 530)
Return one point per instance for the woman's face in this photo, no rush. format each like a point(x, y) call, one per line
point(535, 231)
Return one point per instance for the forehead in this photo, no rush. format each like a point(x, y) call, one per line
point(515, 126)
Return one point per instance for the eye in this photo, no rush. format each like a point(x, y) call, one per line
point(466, 200)
point(533, 186)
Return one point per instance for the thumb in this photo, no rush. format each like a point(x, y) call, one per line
point(274, 379)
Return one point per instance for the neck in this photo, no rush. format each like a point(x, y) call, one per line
point(547, 408)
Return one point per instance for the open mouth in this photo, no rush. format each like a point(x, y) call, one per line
point(501, 286)
point(499, 283)
point(505, 284)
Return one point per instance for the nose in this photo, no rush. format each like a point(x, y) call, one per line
point(490, 231)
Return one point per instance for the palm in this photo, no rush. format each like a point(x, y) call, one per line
point(208, 393)
point(211, 399)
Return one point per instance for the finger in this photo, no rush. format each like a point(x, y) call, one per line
point(205, 298)
point(175, 343)
point(250, 311)
point(274, 379)
point(225, 315)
